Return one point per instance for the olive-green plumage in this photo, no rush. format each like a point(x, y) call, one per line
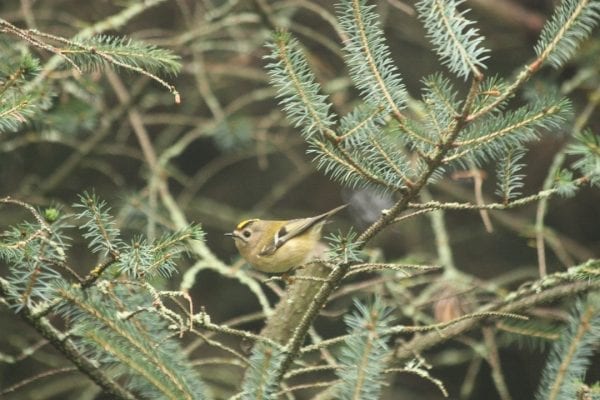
point(277, 246)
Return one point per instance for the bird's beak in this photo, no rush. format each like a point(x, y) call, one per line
point(235, 236)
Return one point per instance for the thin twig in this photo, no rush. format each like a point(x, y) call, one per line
point(555, 286)
point(35, 378)
point(493, 359)
point(202, 320)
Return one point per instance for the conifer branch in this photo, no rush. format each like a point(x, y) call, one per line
point(261, 380)
point(112, 22)
point(540, 115)
point(137, 365)
point(16, 112)
point(310, 369)
point(434, 163)
point(122, 333)
point(109, 330)
point(509, 179)
point(376, 145)
point(572, 21)
point(346, 162)
point(570, 356)
point(43, 225)
point(97, 271)
point(296, 83)
point(365, 354)
point(389, 161)
point(29, 36)
point(371, 66)
point(340, 270)
point(367, 45)
point(407, 269)
point(68, 349)
point(362, 123)
point(522, 77)
point(442, 104)
point(544, 194)
point(129, 55)
point(456, 43)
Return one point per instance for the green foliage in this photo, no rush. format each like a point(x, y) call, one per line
point(368, 57)
point(147, 259)
point(456, 42)
point(261, 380)
point(490, 89)
point(344, 248)
point(587, 149)
point(509, 180)
point(491, 138)
point(109, 327)
point(31, 282)
point(564, 183)
point(100, 226)
point(114, 314)
point(141, 258)
point(98, 51)
point(571, 22)
point(27, 102)
point(116, 323)
point(297, 86)
point(16, 112)
point(367, 157)
point(380, 146)
point(26, 98)
point(442, 105)
point(571, 356)
point(18, 105)
point(18, 67)
point(367, 148)
point(33, 251)
point(365, 353)
point(51, 214)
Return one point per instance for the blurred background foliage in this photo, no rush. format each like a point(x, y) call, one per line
point(229, 153)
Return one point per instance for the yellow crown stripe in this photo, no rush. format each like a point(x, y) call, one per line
point(245, 223)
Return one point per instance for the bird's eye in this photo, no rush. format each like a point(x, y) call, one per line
point(247, 233)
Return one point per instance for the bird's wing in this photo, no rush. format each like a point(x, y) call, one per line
point(285, 233)
point(294, 228)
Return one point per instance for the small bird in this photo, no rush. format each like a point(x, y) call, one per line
point(278, 246)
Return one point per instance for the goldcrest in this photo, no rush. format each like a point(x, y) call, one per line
point(278, 246)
